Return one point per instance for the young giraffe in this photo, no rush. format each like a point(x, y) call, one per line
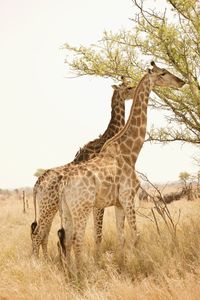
point(46, 187)
point(109, 178)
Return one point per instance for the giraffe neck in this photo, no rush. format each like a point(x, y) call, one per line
point(131, 138)
point(117, 120)
point(116, 123)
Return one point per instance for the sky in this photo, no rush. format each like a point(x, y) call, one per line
point(46, 117)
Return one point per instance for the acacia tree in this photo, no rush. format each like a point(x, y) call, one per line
point(184, 177)
point(170, 36)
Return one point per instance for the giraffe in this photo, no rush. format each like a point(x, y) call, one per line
point(46, 187)
point(109, 178)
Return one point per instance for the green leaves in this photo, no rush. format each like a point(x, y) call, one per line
point(170, 36)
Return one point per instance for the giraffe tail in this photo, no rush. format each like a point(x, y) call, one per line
point(61, 236)
point(34, 224)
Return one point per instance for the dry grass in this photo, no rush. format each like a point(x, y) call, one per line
point(157, 269)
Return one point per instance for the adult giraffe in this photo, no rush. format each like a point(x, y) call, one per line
point(46, 187)
point(109, 178)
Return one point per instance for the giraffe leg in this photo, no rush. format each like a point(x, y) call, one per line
point(98, 224)
point(48, 206)
point(78, 238)
point(45, 239)
point(131, 218)
point(41, 233)
point(120, 218)
point(36, 241)
point(37, 236)
point(127, 201)
point(65, 239)
point(49, 216)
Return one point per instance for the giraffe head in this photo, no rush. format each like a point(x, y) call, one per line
point(124, 90)
point(162, 77)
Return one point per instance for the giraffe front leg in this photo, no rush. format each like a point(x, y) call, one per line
point(120, 218)
point(131, 218)
point(98, 214)
point(127, 201)
point(80, 225)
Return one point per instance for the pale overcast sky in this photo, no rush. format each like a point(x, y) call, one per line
point(45, 117)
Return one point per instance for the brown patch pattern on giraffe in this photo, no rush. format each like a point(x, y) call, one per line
point(46, 187)
point(116, 161)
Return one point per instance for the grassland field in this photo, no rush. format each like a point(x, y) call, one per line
point(159, 268)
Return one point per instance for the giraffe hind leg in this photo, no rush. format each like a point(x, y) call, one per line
point(98, 214)
point(65, 235)
point(36, 240)
point(40, 235)
point(44, 242)
point(47, 227)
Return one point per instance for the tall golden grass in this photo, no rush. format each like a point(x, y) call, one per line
point(158, 268)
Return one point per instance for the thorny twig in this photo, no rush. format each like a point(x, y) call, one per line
point(162, 209)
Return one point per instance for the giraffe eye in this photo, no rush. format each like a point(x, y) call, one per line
point(163, 74)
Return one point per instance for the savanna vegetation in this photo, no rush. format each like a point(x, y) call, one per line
point(160, 267)
point(165, 264)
